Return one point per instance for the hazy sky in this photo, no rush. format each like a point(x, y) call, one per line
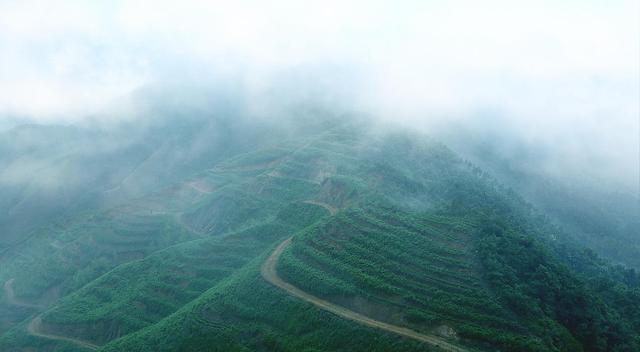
point(560, 70)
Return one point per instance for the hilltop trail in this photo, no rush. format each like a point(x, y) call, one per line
point(269, 273)
point(35, 324)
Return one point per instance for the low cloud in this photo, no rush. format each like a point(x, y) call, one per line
point(562, 75)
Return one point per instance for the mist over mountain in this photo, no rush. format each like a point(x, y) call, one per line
point(324, 176)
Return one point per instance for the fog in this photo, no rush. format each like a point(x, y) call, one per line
point(560, 78)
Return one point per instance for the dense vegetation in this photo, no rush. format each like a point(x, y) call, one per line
point(557, 304)
point(423, 239)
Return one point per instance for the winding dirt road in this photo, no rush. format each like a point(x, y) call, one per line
point(331, 209)
point(269, 273)
point(35, 325)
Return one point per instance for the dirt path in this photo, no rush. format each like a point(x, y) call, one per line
point(35, 325)
point(269, 273)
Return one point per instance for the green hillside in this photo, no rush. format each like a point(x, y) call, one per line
point(421, 240)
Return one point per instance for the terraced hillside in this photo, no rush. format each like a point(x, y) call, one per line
point(140, 293)
point(422, 240)
point(236, 197)
point(415, 271)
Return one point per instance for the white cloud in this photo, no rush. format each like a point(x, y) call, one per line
point(442, 51)
point(561, 70)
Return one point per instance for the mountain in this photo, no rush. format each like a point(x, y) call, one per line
point(325, 234)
